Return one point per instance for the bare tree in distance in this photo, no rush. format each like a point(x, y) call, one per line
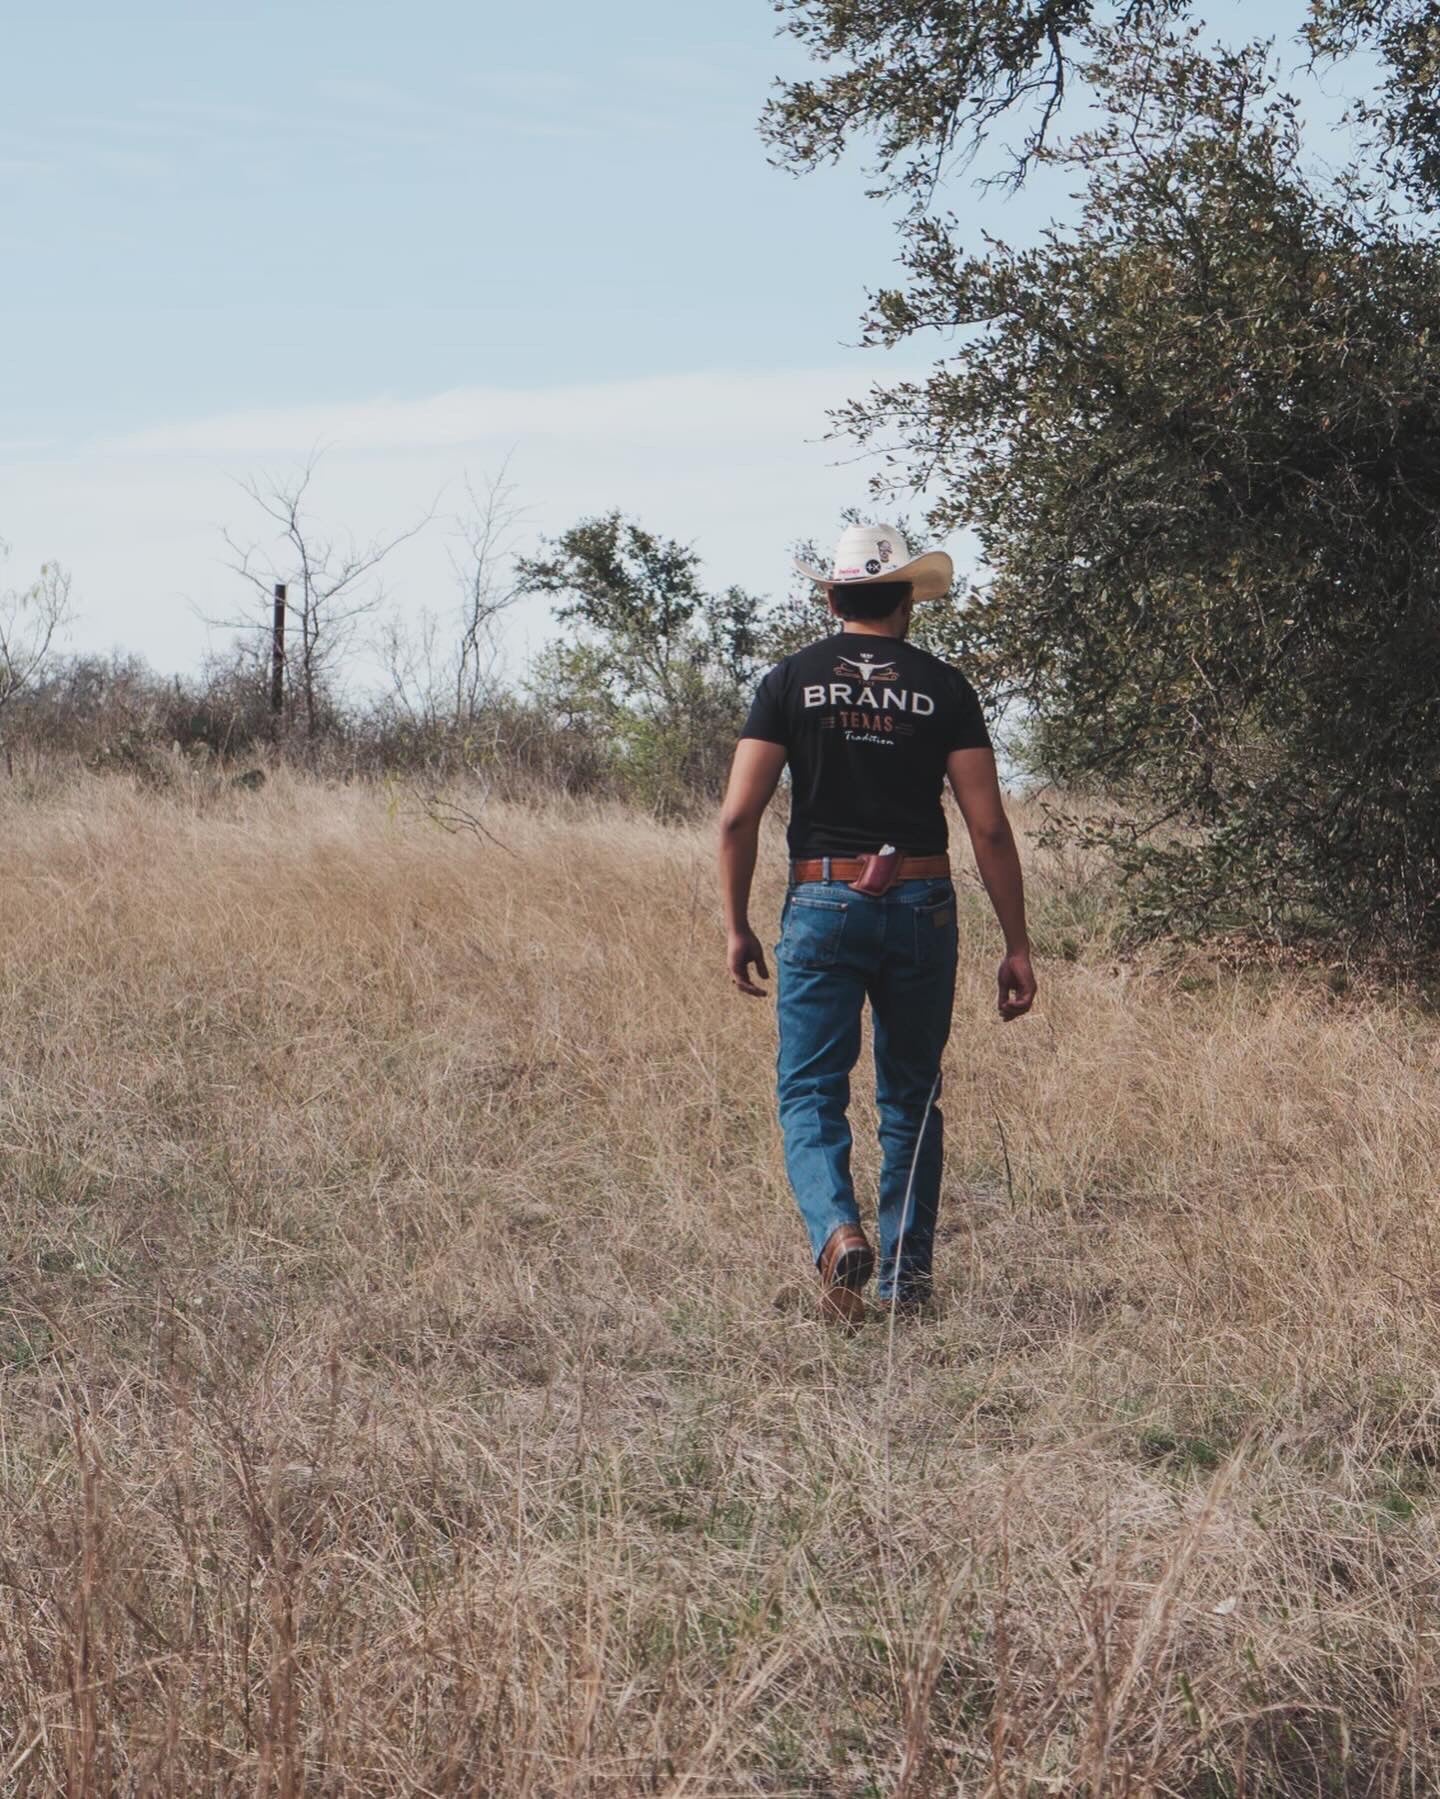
point(31, 621)
point(487, 529)
point(444, 672)
point(332, 583)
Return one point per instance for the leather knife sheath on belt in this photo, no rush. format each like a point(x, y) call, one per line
point(879, 873)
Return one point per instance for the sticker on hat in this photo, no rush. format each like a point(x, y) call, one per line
point(880, 553)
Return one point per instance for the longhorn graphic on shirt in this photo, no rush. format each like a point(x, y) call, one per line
point(868, 668)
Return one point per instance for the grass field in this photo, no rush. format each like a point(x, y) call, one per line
point(396, 1399)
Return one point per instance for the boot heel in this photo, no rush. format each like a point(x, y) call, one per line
point(852, 1268)
point(846, 1263)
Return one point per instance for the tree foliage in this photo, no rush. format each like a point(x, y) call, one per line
point(653, 664)
point(1404, 116)
point(1195, 433)
point(925, 81)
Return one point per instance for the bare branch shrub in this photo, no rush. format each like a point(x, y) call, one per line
point(32, 619)
point(442, 670)
point(333, 584)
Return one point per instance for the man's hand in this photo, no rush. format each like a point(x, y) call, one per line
point(1017, 985)
point(745, 949)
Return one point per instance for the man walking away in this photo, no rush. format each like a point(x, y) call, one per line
point(871, 727)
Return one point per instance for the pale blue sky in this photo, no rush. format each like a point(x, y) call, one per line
point(427, 235)
point(210, 205)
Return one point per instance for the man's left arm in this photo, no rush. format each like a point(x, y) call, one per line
point(977, 791)
point(754, 775)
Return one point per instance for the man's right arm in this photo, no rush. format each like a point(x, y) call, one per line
point(976, 787)
point(754, 775)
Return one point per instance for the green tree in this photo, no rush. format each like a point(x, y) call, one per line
point(1197, 434)
point(654, 665)
point(925, 82)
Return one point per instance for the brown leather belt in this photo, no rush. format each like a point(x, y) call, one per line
point(850, 868)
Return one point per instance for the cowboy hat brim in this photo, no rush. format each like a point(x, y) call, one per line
point(929, 575)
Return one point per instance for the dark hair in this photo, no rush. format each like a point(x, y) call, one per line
point(875, 599)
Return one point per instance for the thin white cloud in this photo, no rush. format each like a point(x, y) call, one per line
point(735, 463)
point(115, 159)
point(156, 137)
point(209, 111)
point(534, 86)
point(692, 74)
point(714, 409)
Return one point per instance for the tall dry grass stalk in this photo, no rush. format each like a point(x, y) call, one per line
point(395, 1401)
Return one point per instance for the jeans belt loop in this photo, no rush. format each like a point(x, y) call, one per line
point(825, 866)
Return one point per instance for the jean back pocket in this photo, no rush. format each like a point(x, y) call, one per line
point(810, 936)
point(935, 929)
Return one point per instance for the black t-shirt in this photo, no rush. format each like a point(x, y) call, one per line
point(867, 723)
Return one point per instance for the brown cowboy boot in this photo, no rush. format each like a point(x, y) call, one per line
point(846, 1263)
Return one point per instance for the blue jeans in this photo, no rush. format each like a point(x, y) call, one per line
point(838, 947)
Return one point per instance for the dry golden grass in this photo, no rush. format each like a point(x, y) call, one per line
point(395, 1401)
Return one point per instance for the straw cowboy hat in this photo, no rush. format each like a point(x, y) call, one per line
point(868, 553)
